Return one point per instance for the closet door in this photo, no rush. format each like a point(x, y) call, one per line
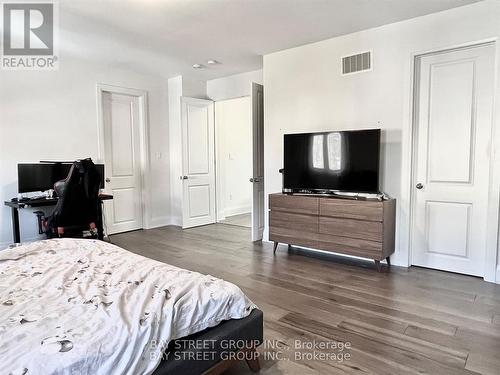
point(453, 127)
point(198, 162)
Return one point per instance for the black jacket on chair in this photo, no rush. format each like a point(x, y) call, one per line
point(77, 208)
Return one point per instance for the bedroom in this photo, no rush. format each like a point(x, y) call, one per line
point(160, 67)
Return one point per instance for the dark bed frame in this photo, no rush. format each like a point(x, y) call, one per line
point(212, 359)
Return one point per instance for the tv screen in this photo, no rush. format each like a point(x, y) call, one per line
point(335, 161)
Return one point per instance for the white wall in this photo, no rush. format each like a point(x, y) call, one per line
point(53, 116)
point(233, 128)
point(304, 91)
point(233, 86)
point(194, 88)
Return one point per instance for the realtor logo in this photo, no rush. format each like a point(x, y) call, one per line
point(28, 36)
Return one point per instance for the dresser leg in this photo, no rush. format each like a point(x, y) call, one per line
point(388, 260)
point(377, 263)
point(275, 247)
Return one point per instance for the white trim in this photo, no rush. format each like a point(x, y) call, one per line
point(491, 273)
point(231, 98)
point(176, 221)
point(492, 240)
point(239, 210)
point(221, 214)
point(160, 221)
point(219, 184)
point(142, 97)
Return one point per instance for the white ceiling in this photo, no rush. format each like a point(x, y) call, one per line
point(167, 36)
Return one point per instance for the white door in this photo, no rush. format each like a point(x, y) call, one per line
point(454, 103)
point(258, 161)
point(122, 162)
point(198, 163)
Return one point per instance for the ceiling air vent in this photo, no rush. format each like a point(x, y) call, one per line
point(357, 63)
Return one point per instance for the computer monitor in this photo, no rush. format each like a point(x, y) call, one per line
point(43, 176)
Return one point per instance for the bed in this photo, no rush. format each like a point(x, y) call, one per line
point(85, 306)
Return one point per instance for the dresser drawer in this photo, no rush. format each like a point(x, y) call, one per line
point(290, 220)
point(362, 229)
point(352, 246)
point(293, 236)
point(352, 209)
point(294, 203)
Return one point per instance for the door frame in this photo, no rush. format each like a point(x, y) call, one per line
point(256, 232)
point(490, 273)
point(142, 98)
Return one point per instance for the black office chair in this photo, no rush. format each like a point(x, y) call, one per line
point(76, 212)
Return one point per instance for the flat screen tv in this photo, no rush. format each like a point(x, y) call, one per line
point(332, 161)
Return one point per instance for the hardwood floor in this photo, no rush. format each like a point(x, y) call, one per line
point(405, 321)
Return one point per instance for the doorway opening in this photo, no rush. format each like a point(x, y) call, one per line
point(233, 132)
point(240, 161)
point(223, 161)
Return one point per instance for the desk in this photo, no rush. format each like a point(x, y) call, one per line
point(44, 202)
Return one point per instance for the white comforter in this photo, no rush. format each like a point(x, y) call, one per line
point(87, 307)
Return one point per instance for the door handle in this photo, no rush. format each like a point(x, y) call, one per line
point(183, 177)
point(254, 179)
point(108, 180)
point(419, 186)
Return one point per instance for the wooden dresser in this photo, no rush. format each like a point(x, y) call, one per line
point(361, 228)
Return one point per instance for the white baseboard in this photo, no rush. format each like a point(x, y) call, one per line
point(221, 215)
point(177, 221)
point(399, 260)
point(231, 211)
point(160, 221)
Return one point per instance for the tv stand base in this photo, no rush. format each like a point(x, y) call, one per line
point(379, 267)
point(360, 228)
point(377, 262)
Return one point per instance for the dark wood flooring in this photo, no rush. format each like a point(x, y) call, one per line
point(405, 321)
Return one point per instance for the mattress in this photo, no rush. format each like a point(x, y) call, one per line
point(71, 306)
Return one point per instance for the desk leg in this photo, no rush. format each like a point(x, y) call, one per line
point(100, 228)
point(15, 225)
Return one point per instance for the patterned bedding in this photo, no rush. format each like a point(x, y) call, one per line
point(88, 307)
